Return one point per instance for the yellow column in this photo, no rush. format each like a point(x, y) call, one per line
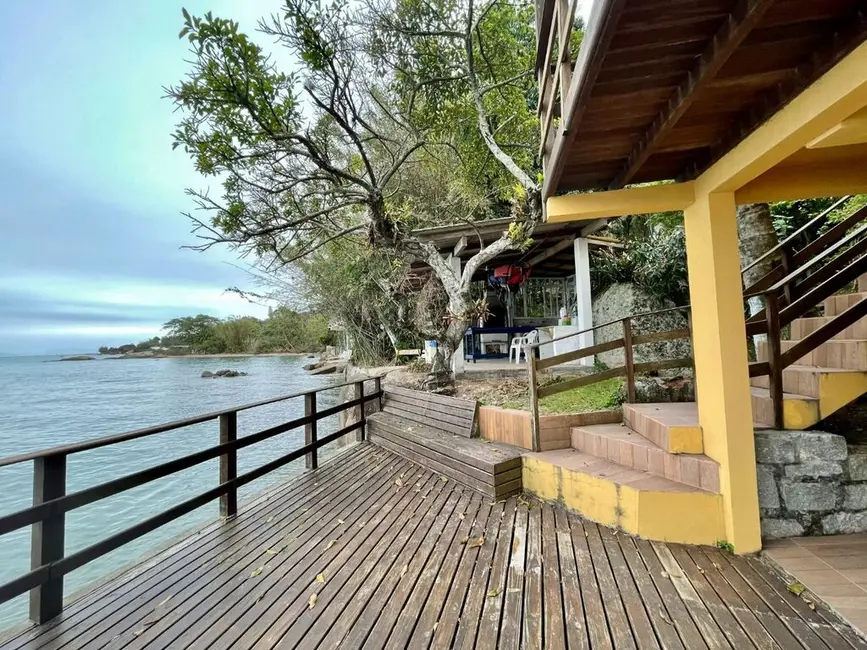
point(719, 344)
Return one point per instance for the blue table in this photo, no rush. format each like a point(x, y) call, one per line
point(473, 349)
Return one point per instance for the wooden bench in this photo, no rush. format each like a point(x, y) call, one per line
point(439, 432)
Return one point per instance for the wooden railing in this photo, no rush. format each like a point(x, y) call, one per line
point(629, 369)
point(553, 65)
point(47, 515)
point(816, 272)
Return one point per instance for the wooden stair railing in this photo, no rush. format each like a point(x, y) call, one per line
point(629, 369)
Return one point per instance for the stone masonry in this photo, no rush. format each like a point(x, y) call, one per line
point(810, 483)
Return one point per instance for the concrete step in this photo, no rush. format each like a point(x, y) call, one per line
point(799, 411)
point(862, 283)
point(636, 502)
point(801, 327)
point(807, 380)
point(674, 428)
point(841, 354)
point(620, 444)
point(839, 303)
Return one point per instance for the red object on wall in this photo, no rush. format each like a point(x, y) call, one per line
point(510, 276)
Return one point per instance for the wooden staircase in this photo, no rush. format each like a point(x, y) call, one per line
point(633, 475)
point(824, 379)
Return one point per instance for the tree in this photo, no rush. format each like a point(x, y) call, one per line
point(238, 334)
point(195, 331)
point(756, 236)
point(311, 157)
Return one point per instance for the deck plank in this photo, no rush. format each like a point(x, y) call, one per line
point(410, 577)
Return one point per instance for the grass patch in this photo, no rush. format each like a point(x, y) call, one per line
point(513, 394)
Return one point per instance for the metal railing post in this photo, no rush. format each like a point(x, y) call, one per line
point(312, 457)
point(47, 538)
point(229, 463)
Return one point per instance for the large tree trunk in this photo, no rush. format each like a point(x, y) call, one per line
point(756, 237)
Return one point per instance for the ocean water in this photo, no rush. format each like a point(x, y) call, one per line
point(44, 404)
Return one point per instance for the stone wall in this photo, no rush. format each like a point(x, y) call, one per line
point(621, 300)
point(810, 483)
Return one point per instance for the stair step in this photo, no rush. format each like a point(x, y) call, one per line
point(837, 304)
point(802, 380)
point(673, 428)
point(799, 411)
point(841, 354)
point(622, 445)
point(801, 327)
point(862, 283)
point(636, 502)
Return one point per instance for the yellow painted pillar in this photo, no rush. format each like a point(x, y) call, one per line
point(720, 348)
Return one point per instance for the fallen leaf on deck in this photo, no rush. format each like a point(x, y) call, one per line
point(312, 602)
point(796, 588)
point(479, 541)
point(664, 574)
point(340, 521)
point(664, 617)
point(398, 482)
point(257, 571)
point(330, 544)
point(404, 570)
point(320, 578)
point(444, 478)
point(361, 525)
point(272, 551)
point(435, 626)
point(461, 515)
point(165, 600)
point(269, 519)
point(465, 539)
point(493, 593)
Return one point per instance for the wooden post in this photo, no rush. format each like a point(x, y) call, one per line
point(358, 393)
point(534, 402)
point(229, 463)
point(312, 457)
point(786, 264)
point(47, 538)
point(772, 312)
point(628, 360)
point(377, 387)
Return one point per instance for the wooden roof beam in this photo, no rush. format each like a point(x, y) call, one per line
point(737, 26)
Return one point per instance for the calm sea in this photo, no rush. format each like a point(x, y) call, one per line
point(44, 404)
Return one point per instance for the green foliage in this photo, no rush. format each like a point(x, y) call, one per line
point(653, 257)
point(595, 397)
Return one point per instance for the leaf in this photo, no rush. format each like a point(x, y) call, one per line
point(330, 544)
point(492, 593)
point(269, 519)
point(341, 521)
point(664, 616)
point(796, 588)
point(257, 571)
point(461, 516)
point(320, 578)
point(361, 524)
point(165, 600)
point(444, 478)
point(479, 541)
point(404, 570)
point(398, 482)
point(311, 603)
point(271, 551)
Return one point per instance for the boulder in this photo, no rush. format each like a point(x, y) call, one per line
point(309, 366)
point(207, 373)
point(621, 300)
point(225, 372)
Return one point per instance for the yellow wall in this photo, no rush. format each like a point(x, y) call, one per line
point(720, 350)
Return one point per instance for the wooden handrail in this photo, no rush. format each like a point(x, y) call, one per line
point(533, 346)
point(96, 443)
point(49, 564)
point(792, 237)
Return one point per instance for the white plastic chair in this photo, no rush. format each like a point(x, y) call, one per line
point(521, 344)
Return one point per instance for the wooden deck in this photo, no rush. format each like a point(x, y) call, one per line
point(374, 551)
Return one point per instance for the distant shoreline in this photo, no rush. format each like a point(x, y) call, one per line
point(218, 355)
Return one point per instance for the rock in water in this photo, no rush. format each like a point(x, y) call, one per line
point(207, 373)
point(80, 357)
point(225, 372)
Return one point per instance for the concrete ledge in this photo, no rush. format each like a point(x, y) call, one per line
point(512, 426)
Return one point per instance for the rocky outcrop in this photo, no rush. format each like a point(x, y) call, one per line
point(621, 300)
point(207, 374)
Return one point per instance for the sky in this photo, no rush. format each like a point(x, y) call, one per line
point(91, 193)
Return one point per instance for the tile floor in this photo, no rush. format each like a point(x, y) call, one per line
point(834, 568)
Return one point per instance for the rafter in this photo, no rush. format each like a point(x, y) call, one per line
point(738, 25)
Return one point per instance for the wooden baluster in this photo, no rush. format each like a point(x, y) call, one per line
point(358, 393)
point(629, 362)
point(312, 457)
point(534, 402)
point(772, 312)
point(229, 463)
point(377, 388)
point(788, 266)
point(47, 538)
